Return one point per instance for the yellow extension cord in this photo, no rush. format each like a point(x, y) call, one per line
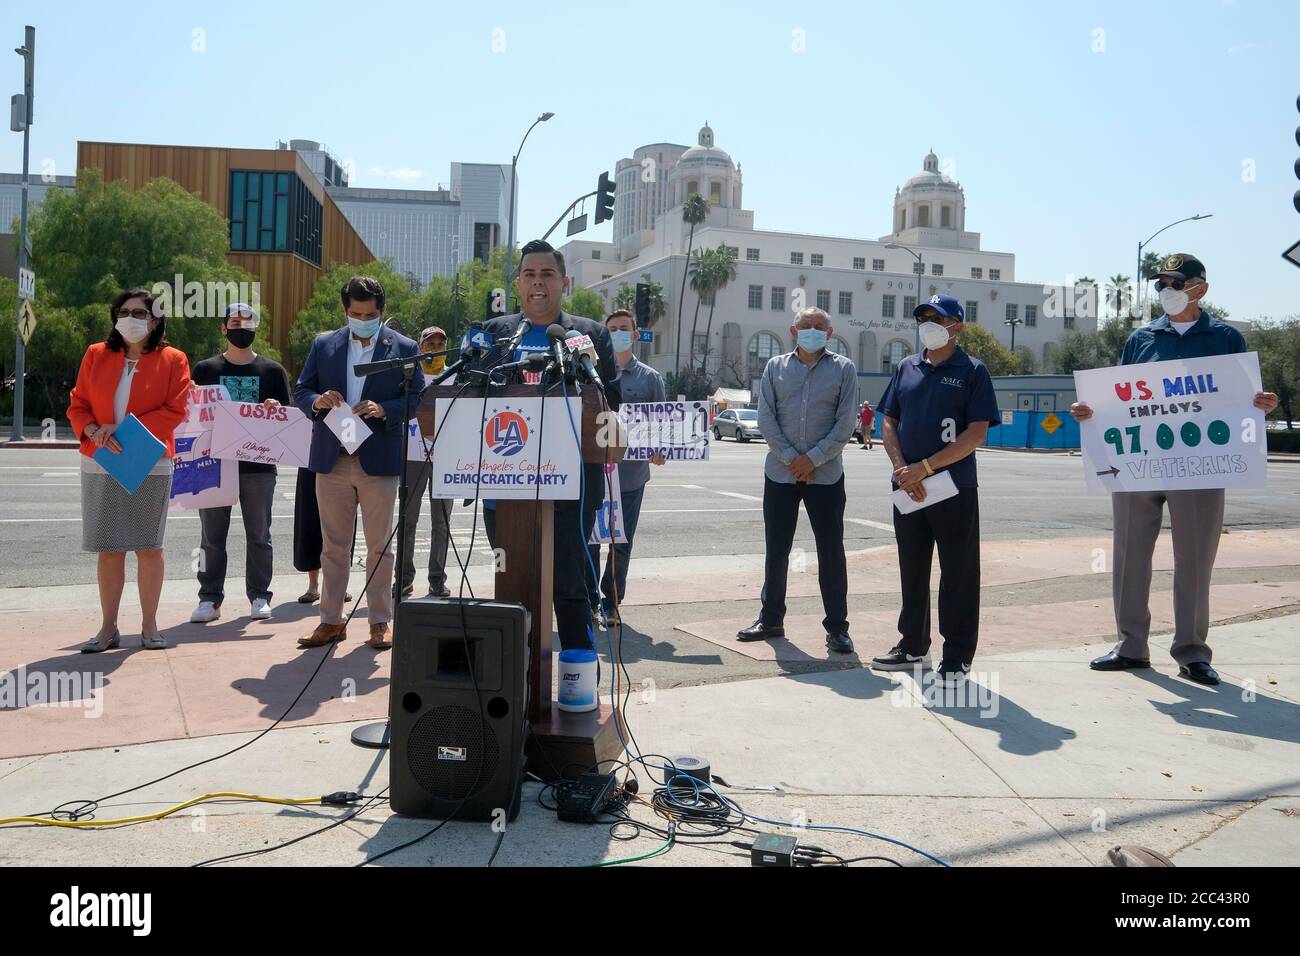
point(49, 822)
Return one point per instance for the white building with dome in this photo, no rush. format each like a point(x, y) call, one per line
point(868, 288)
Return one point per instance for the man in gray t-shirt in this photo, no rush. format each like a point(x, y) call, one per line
point(639, 383)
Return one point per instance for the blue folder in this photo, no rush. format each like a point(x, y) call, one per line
point(140, 452)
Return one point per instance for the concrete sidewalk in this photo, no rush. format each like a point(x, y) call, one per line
point(1044, 762)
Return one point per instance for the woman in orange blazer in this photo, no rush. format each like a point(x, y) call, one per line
point(135, 371)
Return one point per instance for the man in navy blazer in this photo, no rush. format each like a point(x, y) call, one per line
point(368, 476)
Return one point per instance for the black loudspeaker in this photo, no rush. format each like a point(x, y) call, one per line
point(454, 754)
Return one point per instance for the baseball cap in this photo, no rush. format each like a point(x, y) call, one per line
point(432, 330)
point(945, 305)
point(236, 307)
point(1181, 265)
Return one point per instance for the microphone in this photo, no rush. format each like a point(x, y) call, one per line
point(556, 338)
point(520, 332)
point(583, 351)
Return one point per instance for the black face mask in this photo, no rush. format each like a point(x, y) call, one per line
point(241, 338)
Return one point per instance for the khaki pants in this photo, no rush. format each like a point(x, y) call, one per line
point(338, 492)
point(1196, 521)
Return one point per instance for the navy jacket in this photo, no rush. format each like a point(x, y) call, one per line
point(504, 326)
point(327, 368)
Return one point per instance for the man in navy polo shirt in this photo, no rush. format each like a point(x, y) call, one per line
point(936, 411)
point(1195, 515)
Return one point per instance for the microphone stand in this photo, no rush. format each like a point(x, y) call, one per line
point(375, 736)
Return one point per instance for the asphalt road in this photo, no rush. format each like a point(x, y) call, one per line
point(690, 509)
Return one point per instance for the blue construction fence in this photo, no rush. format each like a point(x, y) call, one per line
point(1035, 410)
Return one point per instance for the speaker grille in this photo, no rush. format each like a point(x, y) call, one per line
point(459, 732)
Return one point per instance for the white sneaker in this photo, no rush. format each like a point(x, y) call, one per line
point(205, 612)
point(261, 610)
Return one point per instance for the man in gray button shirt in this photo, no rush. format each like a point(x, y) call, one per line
point(638, 382)
point(807, 407)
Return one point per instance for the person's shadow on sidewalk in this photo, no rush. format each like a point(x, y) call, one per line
point(981, 707)
point(66, 679)
point(349, 675)
point(1224, 709)
point(636, 647)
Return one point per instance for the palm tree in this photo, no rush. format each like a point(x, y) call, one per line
point(1119, 292)
point(694, 211)
point(658, 308)
point(701, 272)
point(625, 297)
point(724, 272)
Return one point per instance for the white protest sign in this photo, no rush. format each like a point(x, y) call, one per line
point(249, 431)
point(351, 429)
point(609, 519)
point(198, 479)
point(1171, 426)
point(519, 457)
point(677, 430)
point(417, 446)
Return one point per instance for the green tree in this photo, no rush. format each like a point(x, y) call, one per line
point(1278, 345)
point(694, 211)
point(702, 272)
point(585, 302)
point(1118, 294)
point(625, 297)
point(978, 341)
point(724, 273)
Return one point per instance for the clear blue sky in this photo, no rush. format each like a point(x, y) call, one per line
point(1068, 156)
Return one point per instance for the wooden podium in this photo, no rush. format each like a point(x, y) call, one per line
point(560, 744)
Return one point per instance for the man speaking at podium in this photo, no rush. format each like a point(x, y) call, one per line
point(541, 285)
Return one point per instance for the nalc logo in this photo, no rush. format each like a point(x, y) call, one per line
point(506, 433)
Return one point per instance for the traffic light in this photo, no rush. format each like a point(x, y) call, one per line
point(604, 198)
point(642, 305)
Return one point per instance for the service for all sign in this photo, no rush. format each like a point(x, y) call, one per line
point(1170, 426)
point(199, 478)
point(677, 430)
point(504, 450)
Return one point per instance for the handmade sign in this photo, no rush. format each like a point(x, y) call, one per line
point(249, 431)
point(677, 430)
point(200, 480)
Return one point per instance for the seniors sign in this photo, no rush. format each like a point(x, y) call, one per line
point(677, 430)
point(506, 448)
point(1172, 426)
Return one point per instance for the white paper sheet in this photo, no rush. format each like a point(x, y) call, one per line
point(351, 429)
point(937, 488)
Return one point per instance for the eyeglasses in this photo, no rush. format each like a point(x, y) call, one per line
point(1164, 282)
point(133, 313)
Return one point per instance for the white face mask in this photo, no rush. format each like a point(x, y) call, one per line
point(133, 329)
point(933, 335)
point(1173, 301)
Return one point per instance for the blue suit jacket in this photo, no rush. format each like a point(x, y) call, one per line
point(327, 368)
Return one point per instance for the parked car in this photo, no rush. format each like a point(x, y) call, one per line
point(738, 423)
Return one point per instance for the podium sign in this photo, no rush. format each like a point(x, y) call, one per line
point(512, 448)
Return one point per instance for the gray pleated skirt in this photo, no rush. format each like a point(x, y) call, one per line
point(112, 520)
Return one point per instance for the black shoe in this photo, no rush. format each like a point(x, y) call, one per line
point(899, 660)
point(839, 643)
point(758, 631)
point(951, 674)
point(1199, 671)
point(408, 590)
point(1118, 662)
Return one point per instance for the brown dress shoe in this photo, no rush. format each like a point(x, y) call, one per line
point(379, 637)
point(324, 634)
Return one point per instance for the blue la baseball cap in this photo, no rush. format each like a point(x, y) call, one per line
point(945, 305)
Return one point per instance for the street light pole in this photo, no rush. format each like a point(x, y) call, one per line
point(920, 274)
point(1137, 276)
point(28, 52)
point(510, 241)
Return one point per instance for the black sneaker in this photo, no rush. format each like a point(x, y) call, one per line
point(951, 674)
point(899, 660)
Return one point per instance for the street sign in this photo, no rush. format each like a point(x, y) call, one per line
point(1051, 423)
point(26, 321)
point(645, 335)
point(1292, 255)
point(26, 284)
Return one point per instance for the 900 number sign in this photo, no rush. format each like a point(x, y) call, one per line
point(1217, 432)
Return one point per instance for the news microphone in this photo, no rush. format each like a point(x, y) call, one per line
point(583, 351)
point(555, 338)
point(520, 332)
